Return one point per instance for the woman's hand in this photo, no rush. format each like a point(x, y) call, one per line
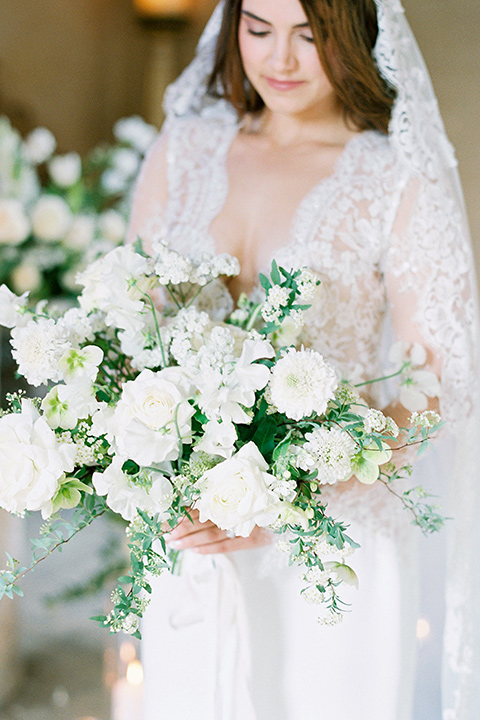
point(206, 538)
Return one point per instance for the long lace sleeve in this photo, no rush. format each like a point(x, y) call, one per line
point(430, 285)
point(147, 219)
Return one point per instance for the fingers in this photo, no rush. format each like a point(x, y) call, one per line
point(207, 538)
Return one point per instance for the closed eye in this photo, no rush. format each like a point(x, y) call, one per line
point(258, 33)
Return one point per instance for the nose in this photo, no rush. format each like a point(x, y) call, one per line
point(282, 56)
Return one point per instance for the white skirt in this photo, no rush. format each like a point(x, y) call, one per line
point(230, 638)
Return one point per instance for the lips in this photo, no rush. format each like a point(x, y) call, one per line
point(283, 85)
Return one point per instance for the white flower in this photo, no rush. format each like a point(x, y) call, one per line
point(416, 384)
point(81, 364)
point(136, 132)
point(81, 233)
point(38, 347)
point(51, 218)
point(374, 421)
point(32, 461)
point(330, 451)
point(126, 494)
point(153, 416)
point(114, 182)
point(65, 170)
point(40, 145)
point(14, 224)
point(218, 438)
point(125, 162)
point(64, 405)
point(235, 494)
point(115, 284)
point(77, 325)
point(307, 283)
point(112, 226)
point(426, 419)
point(26, 277)
point(11, 307)
point(302, 383)
point(171, 267)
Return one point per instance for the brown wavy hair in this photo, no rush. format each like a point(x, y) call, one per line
point(351, 28)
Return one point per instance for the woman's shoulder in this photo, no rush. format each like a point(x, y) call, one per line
point(199, 133)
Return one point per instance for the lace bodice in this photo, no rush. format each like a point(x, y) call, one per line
point(381, 241)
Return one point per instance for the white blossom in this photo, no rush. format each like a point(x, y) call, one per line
point(112, 226)
point(116, 284)
point(153, 493)
point(11, 307)
point(235, 494)
point(32, 461)
point(302, 383)
point(81, 233)
point(330, 451)
point(26, 277)
point(38, 347)
point(152, 417)
point(51, 218)
point(14, 224)
point(136, 132)
point(65, 170)
point(374, 421)
point(40, 145)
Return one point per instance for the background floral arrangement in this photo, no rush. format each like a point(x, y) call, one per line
point(152, 412)
point(58, 212)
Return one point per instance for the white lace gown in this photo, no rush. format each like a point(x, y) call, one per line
point(230, 638)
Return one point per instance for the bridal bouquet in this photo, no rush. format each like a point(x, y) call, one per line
point(59, 211)
point(152, 412)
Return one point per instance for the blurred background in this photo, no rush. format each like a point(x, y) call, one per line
point(76, 67)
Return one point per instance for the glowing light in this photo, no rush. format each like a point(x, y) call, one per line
point(127, 652)
point(162, 8)
point(423, 628)
point(134, 673)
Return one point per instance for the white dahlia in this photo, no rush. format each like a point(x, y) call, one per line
point(302, 383)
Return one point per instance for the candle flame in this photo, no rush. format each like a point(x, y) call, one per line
point(134, 673)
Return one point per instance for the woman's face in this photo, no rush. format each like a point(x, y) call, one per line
point(280, 58)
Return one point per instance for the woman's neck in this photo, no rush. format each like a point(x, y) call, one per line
point(287, 130)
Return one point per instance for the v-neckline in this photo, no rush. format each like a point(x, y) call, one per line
point(221, 187)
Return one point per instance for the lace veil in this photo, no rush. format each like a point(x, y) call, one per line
point(417, 133)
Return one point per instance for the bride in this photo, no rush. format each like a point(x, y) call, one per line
point(307, 131)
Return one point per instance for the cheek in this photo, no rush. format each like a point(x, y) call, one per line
point(250, 52)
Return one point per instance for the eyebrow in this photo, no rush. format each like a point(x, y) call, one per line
point(255, 17)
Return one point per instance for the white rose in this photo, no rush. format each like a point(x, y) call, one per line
point(81, 233)
point(14, 224)
point(40, 145)
point(51, 218)
point(236, 495)
point(26, 278)
point(65, 170)
point(124, 496)
point(112, 226)
point(10, 307)
point(32, 461)
point(152, 415)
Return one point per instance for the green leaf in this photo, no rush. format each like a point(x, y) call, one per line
point(274, 274)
